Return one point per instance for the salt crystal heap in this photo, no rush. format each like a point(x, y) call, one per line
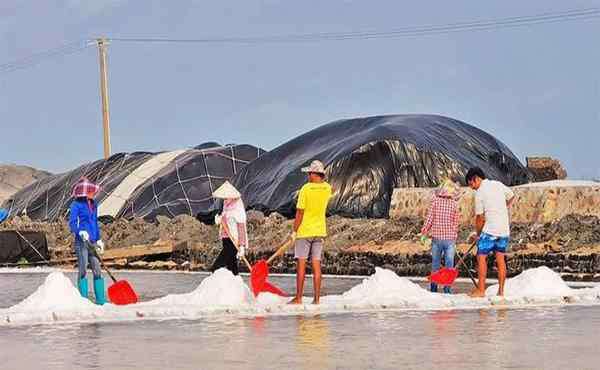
point(56, 294)
point(386, 287)
point(536, 282)
point(221, 288)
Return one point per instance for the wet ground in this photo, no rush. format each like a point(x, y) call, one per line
point(549, 338)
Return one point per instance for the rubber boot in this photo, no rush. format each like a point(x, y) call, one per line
point(83, 287)
point(99, 291)
point(447, 290)
point(433, 287)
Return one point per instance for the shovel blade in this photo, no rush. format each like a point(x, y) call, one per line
point(444, 276)
point(258, 280)
point(121, 293)
point(270, 288)
point(258, 276)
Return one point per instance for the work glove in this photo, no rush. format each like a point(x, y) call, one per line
point(100, 246)
point(423, 239)
point(241, 252)
point(84, 236)
point(217, 219)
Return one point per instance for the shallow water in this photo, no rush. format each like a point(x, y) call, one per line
point(550, 337)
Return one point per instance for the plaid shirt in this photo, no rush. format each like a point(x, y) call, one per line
point(442, 219)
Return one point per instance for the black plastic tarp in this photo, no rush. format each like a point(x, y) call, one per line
point(366, 158)
point(186, 185)
point(32, 246)
point(183, 186)
point(49, 199)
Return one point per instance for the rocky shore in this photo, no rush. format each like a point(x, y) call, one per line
point(570, 246)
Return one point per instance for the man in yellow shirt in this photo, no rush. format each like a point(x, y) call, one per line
point(310, 228)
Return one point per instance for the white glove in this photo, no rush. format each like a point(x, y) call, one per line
point(217, 219)
point(241, 252)
point(473, 237)
point(100, 246)
point(84, 235)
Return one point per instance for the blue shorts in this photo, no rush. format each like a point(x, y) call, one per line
point(488, 243)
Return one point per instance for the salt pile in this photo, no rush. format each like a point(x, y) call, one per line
point(536, 282)
point(221, 288)
point(57, 293)
point(222, 293)
point(269, 299)
point(386, 287)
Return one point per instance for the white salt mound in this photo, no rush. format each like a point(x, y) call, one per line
point(536, 282)
point(385, 286)
point(57, 293)
point(269, 299)
point(222, 288)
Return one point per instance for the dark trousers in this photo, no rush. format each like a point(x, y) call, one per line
point(227, 258)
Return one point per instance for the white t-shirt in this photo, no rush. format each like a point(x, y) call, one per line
point(490, 201)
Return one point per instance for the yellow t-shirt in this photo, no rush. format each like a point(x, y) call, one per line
point(313, 199)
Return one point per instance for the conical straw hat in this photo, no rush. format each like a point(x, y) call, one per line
point(227, 191)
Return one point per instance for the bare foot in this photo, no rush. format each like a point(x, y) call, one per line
point(295, 301)
point(315, 301)
point(476, 293)
point(500, 293)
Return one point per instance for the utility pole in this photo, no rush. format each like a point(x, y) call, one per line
point(102, 42)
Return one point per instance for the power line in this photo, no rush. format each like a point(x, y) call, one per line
point(36, 58)
point(428, 30)
point(490, 24)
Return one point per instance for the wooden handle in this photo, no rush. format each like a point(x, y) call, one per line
point(281, 250)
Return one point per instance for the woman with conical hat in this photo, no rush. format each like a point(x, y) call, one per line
point(232, 230)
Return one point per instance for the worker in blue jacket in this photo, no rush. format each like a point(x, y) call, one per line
point(83, 222)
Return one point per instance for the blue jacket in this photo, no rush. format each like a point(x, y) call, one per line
point(82, 218)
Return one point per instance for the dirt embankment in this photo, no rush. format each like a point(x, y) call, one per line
point(355, 246)
point(14, 178)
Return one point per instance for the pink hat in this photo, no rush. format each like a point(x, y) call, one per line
point(85, 187)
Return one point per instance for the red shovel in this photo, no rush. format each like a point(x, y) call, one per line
point(120, 292)
point(444, 276)
point(260, 272)
point(447, 276)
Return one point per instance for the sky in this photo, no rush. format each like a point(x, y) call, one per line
point(536, 88)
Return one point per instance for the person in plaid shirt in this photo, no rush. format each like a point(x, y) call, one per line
point(441, 226)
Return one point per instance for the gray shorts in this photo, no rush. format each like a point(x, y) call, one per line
point(302, 247)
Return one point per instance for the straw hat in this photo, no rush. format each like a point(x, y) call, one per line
point(227, 191)
point(448, 189)
point(315, 167)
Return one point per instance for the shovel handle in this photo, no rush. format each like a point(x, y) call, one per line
point(462, 261)
point(94, 252)
point(280, 251)
point(226, 229)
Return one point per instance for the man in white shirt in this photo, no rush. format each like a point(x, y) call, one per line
point(492, 226)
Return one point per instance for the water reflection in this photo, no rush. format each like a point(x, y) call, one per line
point(313, 342)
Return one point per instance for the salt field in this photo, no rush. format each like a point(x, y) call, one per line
point(383, 321)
